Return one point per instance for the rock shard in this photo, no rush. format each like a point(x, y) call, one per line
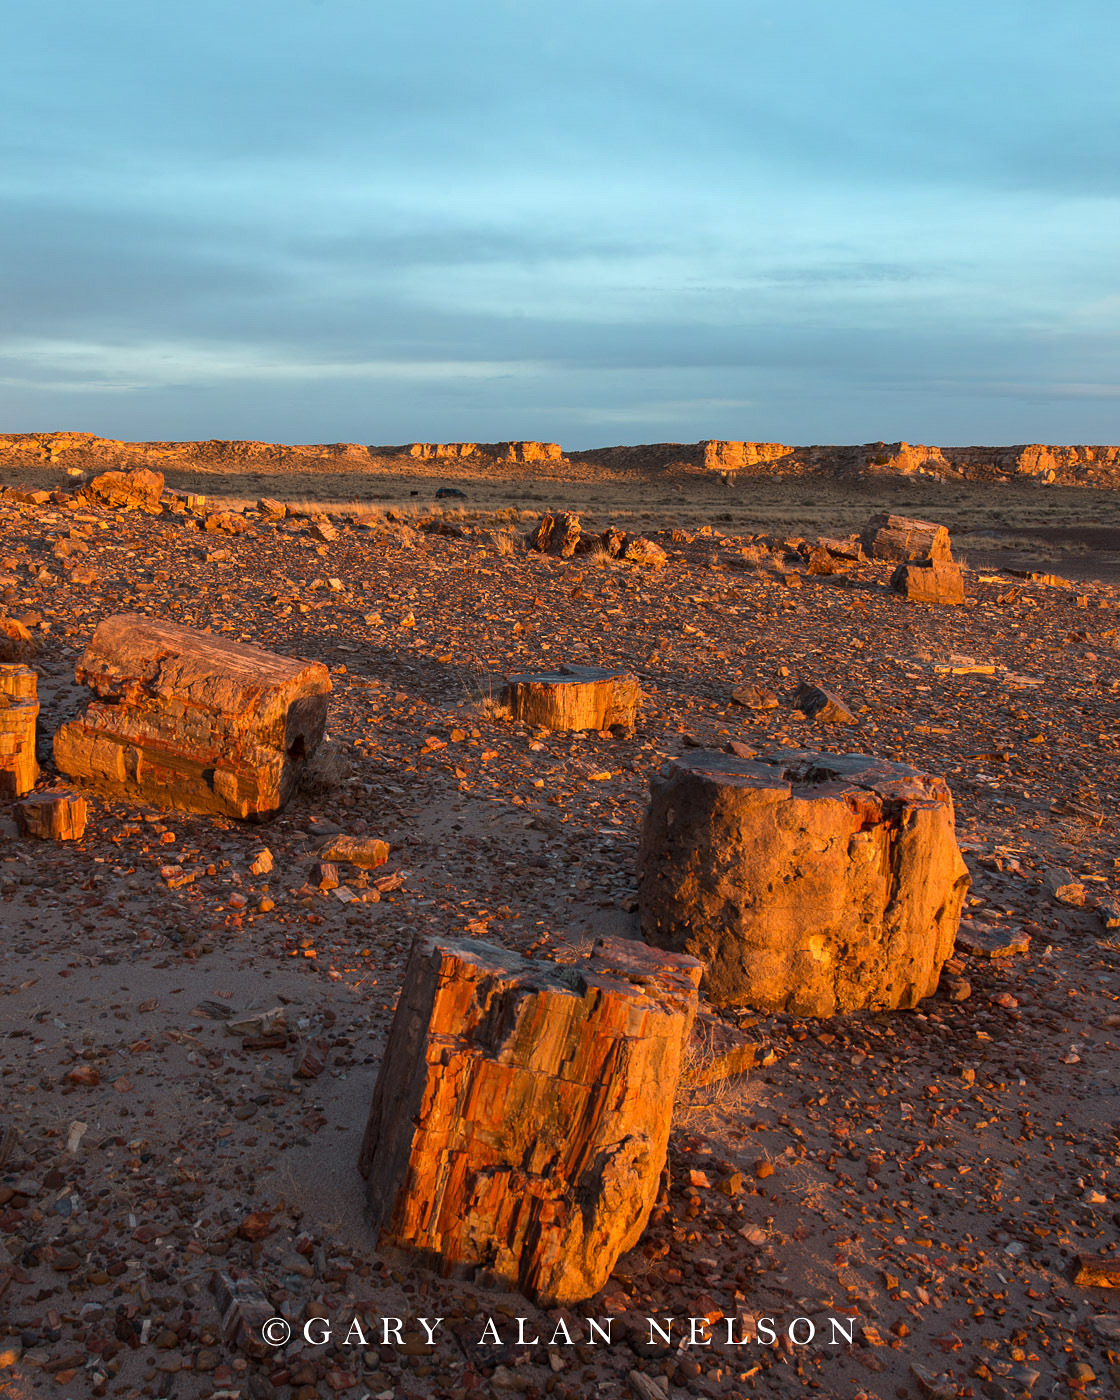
point(190, 720)
point(811, 883)
point(898, 537)
point(52, 816)
point(19, 715)
point(574, 697)
point(929, 582)
point(520, 1120)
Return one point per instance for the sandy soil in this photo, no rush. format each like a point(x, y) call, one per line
point(930, 1174)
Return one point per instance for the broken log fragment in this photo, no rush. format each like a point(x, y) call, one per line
point(19, 714)
point(520, 1120)
point(814, 883)
point(189, 720)
point(53, 816)
point(574, 697)
point(898, 537)
point(140, 489)
point(929, 582)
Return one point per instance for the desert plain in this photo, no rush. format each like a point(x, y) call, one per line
point(933, 1174)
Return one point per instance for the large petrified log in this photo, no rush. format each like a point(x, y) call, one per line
point(190, 720)
point(53, 816)
point(19, 713)
point(140, 489)
point(574, 697)
point(898, 537)
point(812, 883)
point(929, 582)
point(520, 1121)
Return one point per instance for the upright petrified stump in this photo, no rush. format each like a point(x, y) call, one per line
point(190, 720)
point(19, 713)
point(53, 816)
point(521, 1116)
point(574, 697)
point(813, 883)
point(929, 582)
point(898, 537)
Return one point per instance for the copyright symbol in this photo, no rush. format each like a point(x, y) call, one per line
point(276, 1331)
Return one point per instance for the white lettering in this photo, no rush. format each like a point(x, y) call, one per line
point(849, 1335)
point(522, 1340)
point(562, 1326)
point(766, 1334)
point(593, 1327)
point(355, 1326)
point(697, 1325)
point(665, 1333)
point(394, 1329)
point(490, 1328)
point(322, 1341)
point(731, 1342)
point(791, 1334)
point(430, 1329)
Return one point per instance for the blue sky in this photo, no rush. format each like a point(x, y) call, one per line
point(622, 221)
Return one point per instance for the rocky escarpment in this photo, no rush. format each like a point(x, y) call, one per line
point(1076, 465)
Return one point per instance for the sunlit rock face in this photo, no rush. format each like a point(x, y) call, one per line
point(813, 883)
point(520, 1121)
point(191, 720)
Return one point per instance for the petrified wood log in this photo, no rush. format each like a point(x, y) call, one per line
point(140, 489)
point(189, 720)
point(812, 883)
point(898, 537)
point(521, 1115)
point(19, 713)
point(929, 582)
point(574, 697)
point(53, 816)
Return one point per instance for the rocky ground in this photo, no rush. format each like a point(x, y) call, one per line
point(931, 1174)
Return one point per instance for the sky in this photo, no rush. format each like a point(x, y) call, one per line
point(590, 222)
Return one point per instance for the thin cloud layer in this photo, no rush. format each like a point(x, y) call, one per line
point(333, 220)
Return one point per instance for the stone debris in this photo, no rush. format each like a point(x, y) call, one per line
point(991, 941)
point(718, 1051)
point(755, 697)
point(574, 698)
point(16, 641)
point(813, 883)
point(139, 489)
point(888, 536)
point(962, 1156)
point(367, 852)
point(646, 552)
point(189, 720)
point(929, 581)
point(1097, 1271)
point(521, 1115)
point(53, 816)
point(19, 715)
point(243, 1310)
point(821, 705)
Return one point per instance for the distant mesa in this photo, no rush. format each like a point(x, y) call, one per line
point(1077, 465)
point(500, 451)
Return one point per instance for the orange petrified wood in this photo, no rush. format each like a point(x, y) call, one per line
point(190, 720)
point(520, 1121)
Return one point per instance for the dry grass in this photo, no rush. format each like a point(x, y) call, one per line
point(704, 1108)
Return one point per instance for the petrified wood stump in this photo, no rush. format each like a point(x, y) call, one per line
point(929, 582)
point(189, 720)
point(19, 713)
point(813, 883)
point(898, 537)
point(521, 1115)
point(574, 697)
point(139, 489)
point(53, 816)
